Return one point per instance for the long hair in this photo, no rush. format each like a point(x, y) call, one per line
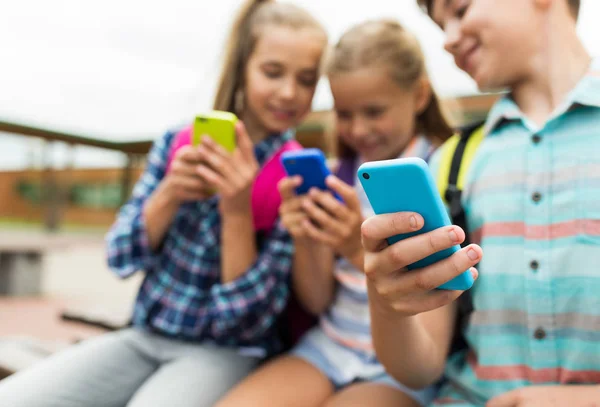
point(252, 18)
point(386, 43)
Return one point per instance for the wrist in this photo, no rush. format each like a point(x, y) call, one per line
point(162, 200)
point(304, 243)
point(235, 207)
point(235, 215)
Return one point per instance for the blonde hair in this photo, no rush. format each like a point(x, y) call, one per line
point(253, 17)
point(386, 43)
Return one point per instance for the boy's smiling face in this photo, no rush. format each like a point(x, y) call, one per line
point(496, 42)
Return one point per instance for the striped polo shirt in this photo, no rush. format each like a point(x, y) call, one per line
point(532, 202)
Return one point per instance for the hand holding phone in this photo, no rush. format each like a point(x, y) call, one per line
point(320, 206)
point(336, 222)
point(230, 173)
point(412, 231)
point(310, 165)
point(182, 183)
point(292, 215)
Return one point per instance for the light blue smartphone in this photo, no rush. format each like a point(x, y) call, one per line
point(406, 185)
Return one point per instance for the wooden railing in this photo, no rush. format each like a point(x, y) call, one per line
point(54, 196)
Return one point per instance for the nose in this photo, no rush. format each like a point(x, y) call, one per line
point(359, 128)
point(289, 89)
point(453, 35)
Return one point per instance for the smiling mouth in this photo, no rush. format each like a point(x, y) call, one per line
point(466, 61)
point(368, 146)
point(282, 114)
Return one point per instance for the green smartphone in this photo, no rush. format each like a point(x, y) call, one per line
point(218, 125)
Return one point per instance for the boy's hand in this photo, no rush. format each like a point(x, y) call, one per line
point(290, 211)
point(411, 293)
point(334, 223)
point(232, 175)
point(554, 396)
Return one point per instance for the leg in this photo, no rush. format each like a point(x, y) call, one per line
point(371, 394)
point(287, 381)
point(101, 372)
point(197, 376)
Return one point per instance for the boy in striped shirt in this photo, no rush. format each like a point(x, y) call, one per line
point(532, 203)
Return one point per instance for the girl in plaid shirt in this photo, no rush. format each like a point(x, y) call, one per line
point(206, 311)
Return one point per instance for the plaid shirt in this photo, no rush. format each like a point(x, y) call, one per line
point(182, 295)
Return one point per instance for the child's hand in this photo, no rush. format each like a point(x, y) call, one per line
point(182, 183)
point(232, 175)
point(542, 396)
point(414, 292)
point(290, 211)
point(334, 223)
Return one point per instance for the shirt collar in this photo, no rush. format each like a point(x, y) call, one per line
point(586, 93)
point(264, 149)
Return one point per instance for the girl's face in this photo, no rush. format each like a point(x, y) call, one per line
point(375, 115)
point(281, 77)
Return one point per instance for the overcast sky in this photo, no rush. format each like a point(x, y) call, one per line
point(129, 69)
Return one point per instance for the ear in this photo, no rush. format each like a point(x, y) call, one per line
point(422, 94)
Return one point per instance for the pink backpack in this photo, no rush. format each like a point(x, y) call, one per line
point(265, 195)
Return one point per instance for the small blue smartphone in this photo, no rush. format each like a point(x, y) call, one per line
point(406, 185)
point(310, 164)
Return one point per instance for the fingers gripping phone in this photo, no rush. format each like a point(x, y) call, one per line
point(219, 126)
point(406, 185)
point(311, 165)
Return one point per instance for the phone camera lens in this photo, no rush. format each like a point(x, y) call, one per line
point(366, 176)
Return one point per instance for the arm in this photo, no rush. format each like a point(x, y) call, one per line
point(233, 176)
point(575, 395)
point(159, 212)
point(134, 240)
point(424, 340)
point(247, 307)
point(238, 245)
point(407, 311)
point(312, 275)
point(128, 244)
point(338, 232)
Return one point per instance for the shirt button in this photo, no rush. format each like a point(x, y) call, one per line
point(534, 265)
point(536, 138)
point(536, 197)
point(539, 334)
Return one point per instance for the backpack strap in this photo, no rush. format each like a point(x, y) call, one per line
point(457, 156)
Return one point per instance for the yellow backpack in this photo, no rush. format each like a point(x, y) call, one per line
point(457, 155)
